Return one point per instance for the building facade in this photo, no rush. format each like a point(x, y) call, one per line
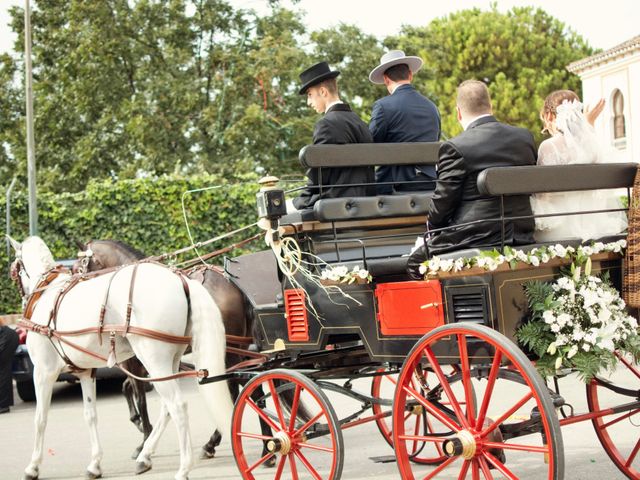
point(612, 75)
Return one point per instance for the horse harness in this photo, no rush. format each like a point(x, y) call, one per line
point(50, 330)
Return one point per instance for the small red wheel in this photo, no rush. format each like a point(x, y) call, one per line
point(306, 440)
point(513, 402)
point(416, 419)
point(626, 382)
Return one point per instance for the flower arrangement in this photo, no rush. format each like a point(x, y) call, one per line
point(342, 274)
point(492, 259)
point(578, 322)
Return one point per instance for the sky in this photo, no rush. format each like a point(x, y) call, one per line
point(604, 24)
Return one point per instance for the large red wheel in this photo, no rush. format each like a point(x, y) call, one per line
point(512, 399)
point(617, 394)
point(416, 418)
point(306, 440)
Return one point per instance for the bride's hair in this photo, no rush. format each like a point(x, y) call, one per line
point(551, 103)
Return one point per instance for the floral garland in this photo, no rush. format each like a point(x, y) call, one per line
point(342, 274)
point(578, 322)
point(490, 260)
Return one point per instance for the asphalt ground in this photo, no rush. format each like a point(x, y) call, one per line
point(67, 445)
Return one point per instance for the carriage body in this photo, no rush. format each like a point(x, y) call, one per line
point(447, 343)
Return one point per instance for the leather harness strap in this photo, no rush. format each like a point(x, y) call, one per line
point(127, 319)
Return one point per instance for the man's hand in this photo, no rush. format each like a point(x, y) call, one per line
point(592, 112)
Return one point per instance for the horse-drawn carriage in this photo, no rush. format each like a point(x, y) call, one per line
point(466, 400)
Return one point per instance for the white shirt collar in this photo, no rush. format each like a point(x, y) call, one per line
point(332, 104)
point(465, 125)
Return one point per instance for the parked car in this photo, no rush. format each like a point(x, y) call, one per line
point(22, 366)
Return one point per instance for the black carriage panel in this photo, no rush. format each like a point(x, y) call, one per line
point(369, 154)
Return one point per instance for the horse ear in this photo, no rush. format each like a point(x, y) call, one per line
point(80, 245)
point(15, 244)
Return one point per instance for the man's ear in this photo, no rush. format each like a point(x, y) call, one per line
point(458, 113)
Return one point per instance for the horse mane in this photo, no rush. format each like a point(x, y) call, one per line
point(118, 244)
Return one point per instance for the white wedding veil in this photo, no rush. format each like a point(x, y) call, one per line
point(580, 140)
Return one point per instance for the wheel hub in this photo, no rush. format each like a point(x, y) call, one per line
point(463, 444)
point(280, 443)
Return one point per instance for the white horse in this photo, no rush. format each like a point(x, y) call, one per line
point(159, 304)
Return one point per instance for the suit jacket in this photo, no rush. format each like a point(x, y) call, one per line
point(486, 143)
point(404, 116)
point(339, 125)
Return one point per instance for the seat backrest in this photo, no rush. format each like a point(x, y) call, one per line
point(369, 154)
point(555, 178)
point(363, 208)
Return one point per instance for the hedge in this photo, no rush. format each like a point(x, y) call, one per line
point(146, 213)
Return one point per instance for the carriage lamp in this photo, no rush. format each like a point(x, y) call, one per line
point(270, 199)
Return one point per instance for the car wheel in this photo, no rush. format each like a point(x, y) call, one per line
point(26, 390)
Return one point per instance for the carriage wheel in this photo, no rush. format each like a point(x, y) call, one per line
point(511, 397)
point(416, 419)
point(306, 440)
point(609, 428)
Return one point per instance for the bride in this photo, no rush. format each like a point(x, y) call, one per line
point(573, 140)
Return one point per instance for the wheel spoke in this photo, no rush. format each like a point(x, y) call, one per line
point(294, 469)
point(423, 438)
point(431, 430)
point(446, 387)
point(628, 364)
point(485, 468)
point(464, 470)
point(281, 462)
point(475, 470)
point(320, 448)
point(416, 430)
point(500, 466)
point(441, 467)
point(307, 465)
point(466, 377)
point(432, 409)
point(259, 462)
point(263, 415)
point(634, 452)
point(294, 407)
point(516, 446)
point(621, 417)
point(257, 436)
point(491, 381)
point(308, 424)
point(507, 414)
point(276, 402)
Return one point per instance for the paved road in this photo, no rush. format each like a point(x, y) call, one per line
point(67, 447)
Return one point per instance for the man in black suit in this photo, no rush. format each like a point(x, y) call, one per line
point(339, 125)
point(403, 116)
point(484, 143)
point(8, 344)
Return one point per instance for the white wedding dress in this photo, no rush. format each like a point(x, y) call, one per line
point(578, 144)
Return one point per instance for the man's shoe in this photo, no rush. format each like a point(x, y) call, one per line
point(4, 410)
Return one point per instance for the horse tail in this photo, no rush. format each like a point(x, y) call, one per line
point(209, 349)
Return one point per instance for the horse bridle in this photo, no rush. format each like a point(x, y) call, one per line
point(15, 272)
point(85, 257)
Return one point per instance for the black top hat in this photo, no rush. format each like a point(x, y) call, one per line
point(316, 74)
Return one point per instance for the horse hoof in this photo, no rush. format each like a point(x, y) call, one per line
point(27, 476)
point(206, 454)
point(92, 476)
point(136, 452)
point(142, 467)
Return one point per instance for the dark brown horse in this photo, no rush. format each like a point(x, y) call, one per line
point(100, 254)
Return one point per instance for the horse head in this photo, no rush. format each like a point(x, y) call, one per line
point(87, 261)
point(33, 260)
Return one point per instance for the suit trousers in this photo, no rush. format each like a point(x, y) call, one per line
point(8, 344)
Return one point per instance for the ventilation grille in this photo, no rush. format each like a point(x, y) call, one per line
point(469, 305)
point(297, 324)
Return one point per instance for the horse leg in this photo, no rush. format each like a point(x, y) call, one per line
point(43, 383)
point(88, 384)
point(143, 460)
point(128, 392)
point(140, 396)
point(209, 449)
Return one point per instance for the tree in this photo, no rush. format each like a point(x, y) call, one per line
point(521, 55)
point(127, 88)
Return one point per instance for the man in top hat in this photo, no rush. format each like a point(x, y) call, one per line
point(403, 116)
point(339, 125)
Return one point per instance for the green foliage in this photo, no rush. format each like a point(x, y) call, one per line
point(145, 213)
point(521, 55)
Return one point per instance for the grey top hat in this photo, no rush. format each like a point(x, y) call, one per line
point(316, 74)
point(391, 58)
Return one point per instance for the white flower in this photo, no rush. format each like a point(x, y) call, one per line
point(544, 258)
point(548, 316)
point(446, 265)
point(572, 351)
point(535, 261)
point(422, 269)
point(340, 270)
point(559, 250)
point(458, 264)
point(363, 274)
point(551, 350)
point(558, 362)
